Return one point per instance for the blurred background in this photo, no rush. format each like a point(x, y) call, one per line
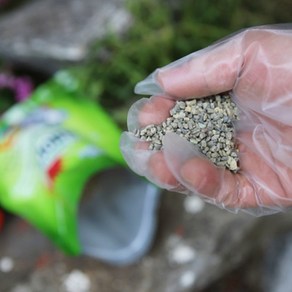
point(103, 48)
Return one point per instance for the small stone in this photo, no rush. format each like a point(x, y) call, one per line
point(194, 111)
point(229, 135)
point(188, 109)
point(157, 147)
point(205, 122)
point(182, 105)
point(203, 143)
point(6, 264)
point(194, 141)
point(232, 164)
point(77, 281)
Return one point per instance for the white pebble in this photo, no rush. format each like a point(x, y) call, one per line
point(6, 265)
point(232, 163)
point(193, 204)
point(77, 281)
point(188, 109)
point(182, 254)
point(187, 279)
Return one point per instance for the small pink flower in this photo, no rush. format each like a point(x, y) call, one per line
point(21, 86)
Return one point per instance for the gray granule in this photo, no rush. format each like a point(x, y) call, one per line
point(205, 122)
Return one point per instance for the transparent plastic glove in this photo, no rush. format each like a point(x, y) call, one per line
point(255, 65)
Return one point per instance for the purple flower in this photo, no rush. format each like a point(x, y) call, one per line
point(21, 86)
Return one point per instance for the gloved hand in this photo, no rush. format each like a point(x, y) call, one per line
point(256, 66)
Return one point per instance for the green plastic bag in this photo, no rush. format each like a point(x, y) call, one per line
point(50, 145)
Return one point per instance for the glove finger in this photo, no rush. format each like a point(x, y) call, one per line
point(270, 177)
point(246, 190)
point(178, 152)
point(205, 72)
point(272, 160)
point(148, 111)
point(160, 174)
point(135, 153)
point(150, 164)
point(133, 122)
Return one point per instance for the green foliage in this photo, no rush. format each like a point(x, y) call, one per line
point(162, 31)
point(6, 99)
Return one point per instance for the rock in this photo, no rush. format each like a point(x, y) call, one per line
point(50, 32)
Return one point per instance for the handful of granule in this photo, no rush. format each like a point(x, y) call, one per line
point(205, 122)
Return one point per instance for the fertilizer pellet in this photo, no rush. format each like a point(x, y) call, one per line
point(205, 122)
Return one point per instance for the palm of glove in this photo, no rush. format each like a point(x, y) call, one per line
point(256, 65)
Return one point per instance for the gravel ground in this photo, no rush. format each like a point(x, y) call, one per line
point(30, 263)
